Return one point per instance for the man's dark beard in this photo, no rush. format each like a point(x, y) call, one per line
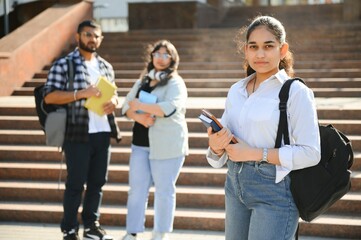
point(86, 48)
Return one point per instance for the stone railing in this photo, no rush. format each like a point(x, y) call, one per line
point(38, 42)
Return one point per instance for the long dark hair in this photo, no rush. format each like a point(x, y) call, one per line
point(277, 29)
point(173, 67)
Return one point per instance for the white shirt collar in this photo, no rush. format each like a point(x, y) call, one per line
point(281, 76)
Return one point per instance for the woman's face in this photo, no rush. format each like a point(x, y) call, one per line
point(264, 52)
point(161, 59)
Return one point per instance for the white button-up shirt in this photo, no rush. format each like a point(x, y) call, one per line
point(254, 119)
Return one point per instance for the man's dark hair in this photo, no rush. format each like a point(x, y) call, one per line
point(88, 23)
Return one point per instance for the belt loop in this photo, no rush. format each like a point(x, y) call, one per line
point(240, 168)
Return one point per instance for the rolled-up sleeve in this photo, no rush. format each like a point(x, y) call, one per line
point(304, 149)
point(130, 96)
point(214, 160)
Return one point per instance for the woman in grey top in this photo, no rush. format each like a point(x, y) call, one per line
point(160, 140)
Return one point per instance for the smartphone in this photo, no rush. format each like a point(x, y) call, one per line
point(209, 120)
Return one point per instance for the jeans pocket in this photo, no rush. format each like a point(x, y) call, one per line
point(267, 171)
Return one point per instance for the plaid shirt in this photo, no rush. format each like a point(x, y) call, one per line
point(58, 80)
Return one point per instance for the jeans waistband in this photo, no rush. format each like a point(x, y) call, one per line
point(252, 163)
point(255, 164)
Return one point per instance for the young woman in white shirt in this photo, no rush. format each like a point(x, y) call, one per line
point(259, 203)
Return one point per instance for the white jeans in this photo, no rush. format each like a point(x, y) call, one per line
point(143, 173)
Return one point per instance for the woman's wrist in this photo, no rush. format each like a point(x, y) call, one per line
point(219, 152)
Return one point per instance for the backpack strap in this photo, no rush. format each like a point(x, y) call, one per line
point(71, 74)
point(283, 124)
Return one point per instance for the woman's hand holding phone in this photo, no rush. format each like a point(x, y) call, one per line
point(220, 140)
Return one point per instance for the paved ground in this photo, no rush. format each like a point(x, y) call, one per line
point(32, 231)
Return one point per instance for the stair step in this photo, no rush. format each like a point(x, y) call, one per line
point(222, 92)
point(304, 73)
point(321, 30)
point(226, 57)
point(196, 139)
point(347, 126)
point(211, 219)
point(333, 226)
point(227, 82)
point(327, 108)
point(120, 155)
point(113, 193)
point(198, 47)
point(236, 65)
point(216, 36)
point(194, 44)
point(118, 173)
point(326, 225)
point(37, 137)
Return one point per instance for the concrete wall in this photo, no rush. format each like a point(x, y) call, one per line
point(38, 42)
point(171, 15)
point(113, 14)
point(352, 10)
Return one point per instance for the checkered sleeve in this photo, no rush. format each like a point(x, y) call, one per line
point(57, 77)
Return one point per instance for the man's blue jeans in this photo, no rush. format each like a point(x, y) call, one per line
point(87, 163)
point(256, 207)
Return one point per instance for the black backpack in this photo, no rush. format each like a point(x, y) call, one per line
point(315, 189)
point(42, 109)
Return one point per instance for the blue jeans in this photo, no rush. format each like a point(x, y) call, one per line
point(143, 173)
point(87, 163)
point(256, 207)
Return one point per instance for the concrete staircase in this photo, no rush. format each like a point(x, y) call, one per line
point(327, 57)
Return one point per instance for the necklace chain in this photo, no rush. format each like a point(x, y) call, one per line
point(254, 85)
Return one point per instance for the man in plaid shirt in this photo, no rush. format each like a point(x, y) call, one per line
point(87, 139)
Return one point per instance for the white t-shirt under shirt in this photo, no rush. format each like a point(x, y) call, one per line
point(96, 123)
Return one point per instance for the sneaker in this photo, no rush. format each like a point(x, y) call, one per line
point(160, 236)
point(95, 232)
point(71, 235)
point(129, 237)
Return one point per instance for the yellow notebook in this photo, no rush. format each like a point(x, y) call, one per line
point(107, 89)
